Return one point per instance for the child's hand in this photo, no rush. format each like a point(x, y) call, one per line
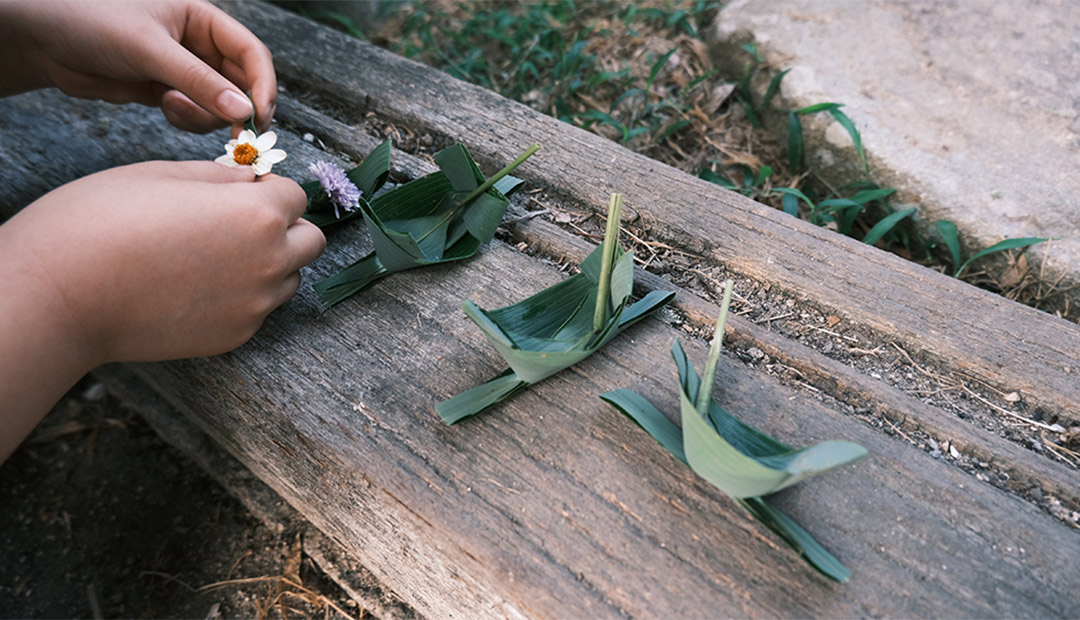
point(186, 56)
point(162, 260)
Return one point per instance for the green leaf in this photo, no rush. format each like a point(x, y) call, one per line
point(798, 538)
point(645, 306)
point(818, 107)
point(791, 191)
point(846, 123)
point(1008, 244)
point(762, 175)
point(606, 119)
point(867, 195)
point(648, 417)
point(441, 217)
point(685, 90)
point(565, 323)
point(952, 241)
point(790, 204)
point(774, 86)
point(373, 172)
point(886, 224)
point(368, 177)
point(657, 66)
point(717, 178)
point(672, 129)
point(481, 397)
point(629, 93)
point(459, 167)
point(735, 457)
point(795, 142)
point(751, 48)
point(348, 281)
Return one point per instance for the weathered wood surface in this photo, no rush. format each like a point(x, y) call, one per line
point(836, 378)
point(1011, 347)
point(553, 505)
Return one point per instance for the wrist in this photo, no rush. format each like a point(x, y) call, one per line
point(40, 317)
point(42, 353)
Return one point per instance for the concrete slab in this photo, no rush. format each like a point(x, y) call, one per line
point(971, 108)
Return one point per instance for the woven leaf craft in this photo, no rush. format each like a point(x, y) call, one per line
point(369, 177)
point(441, 217)
point(736, 457)
point(559, 326)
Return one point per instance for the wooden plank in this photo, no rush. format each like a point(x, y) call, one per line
point(1009, 346)
point(553, 505)
point(1024, 470)
point(267, 506)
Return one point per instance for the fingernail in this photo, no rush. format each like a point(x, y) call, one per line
point(236, 106)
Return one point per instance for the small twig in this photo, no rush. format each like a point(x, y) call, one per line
point(770, 319)
point(280, 580)
point(237, 563)
point(638, 239)
point(832, 333)
point(900, 432)
point(529, 215)
point(1074, 458)
point(1009, 413)
point(922, 370)
point(719, 286)
point(168, 578)
point(583, 232)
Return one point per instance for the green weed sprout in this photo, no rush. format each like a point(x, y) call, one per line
point(952, 241)
point(737, 458)
point(559, 326)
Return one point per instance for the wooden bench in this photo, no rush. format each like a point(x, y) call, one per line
point(554, 504)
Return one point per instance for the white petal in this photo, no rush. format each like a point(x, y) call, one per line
point(265, 142)
point(261, 167)
point(246, 135)
point(272, 156)
point(228, 160)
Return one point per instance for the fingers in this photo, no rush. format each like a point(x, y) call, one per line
point(208, 171)
point(305, 242)
point(285, 193)
point(243, 54)
point(179, 68)
point(185, 114)
point(287, 288)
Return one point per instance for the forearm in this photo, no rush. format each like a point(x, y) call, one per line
point(41, 352)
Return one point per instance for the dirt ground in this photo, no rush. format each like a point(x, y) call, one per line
point(100, 518)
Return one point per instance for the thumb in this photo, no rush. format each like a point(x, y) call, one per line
point(177, 67)
point(211, 172)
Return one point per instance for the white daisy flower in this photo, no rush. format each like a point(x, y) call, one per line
point(247, 149)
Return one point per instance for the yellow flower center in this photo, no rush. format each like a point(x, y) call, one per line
point(244, 154)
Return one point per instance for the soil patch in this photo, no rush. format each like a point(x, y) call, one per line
point(99, 517)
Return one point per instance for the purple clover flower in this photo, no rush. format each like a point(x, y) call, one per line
point(343, 193)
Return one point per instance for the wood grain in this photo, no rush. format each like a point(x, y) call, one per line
point(1012, 347)
point(554, 505)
